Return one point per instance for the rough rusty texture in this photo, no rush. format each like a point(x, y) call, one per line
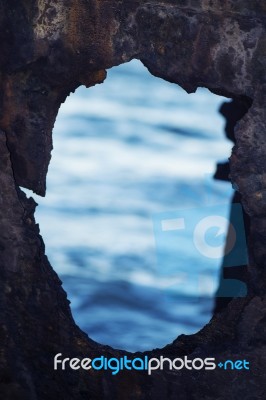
point(48, 49)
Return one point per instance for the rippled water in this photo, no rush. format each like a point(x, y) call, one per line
point(123, 152)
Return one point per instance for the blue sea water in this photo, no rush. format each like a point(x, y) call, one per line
point(125, 151)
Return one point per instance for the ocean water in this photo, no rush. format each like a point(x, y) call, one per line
point(124, 152)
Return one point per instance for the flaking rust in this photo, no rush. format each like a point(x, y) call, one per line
point(49, 48)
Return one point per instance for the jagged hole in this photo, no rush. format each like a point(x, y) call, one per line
point(123, 152)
